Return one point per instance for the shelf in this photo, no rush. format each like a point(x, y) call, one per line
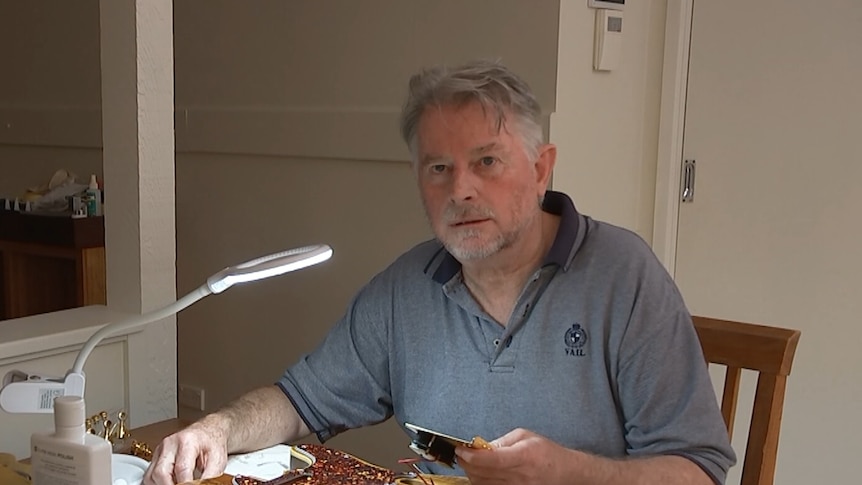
point(52, 230)
point(50, 263)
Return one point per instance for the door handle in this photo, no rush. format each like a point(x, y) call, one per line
point(688, 169)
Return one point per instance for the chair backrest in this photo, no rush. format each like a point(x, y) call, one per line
point(769, 351)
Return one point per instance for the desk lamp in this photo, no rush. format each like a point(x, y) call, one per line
point(26, 393)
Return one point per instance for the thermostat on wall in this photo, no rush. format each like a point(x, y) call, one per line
point(608, 42)
point(612, 4)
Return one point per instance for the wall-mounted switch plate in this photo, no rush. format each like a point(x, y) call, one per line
point(191, 397)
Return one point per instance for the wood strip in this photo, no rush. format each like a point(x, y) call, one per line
point(748, 346)
point(730, 397)
point(91, 280)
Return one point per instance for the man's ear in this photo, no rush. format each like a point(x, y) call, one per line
point(545, 166)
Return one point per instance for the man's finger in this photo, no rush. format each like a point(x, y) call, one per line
point(184, 464)
point(160, 472)
point(509, 438)
point(212, 467)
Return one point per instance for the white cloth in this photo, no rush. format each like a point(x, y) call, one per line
point(266, 464)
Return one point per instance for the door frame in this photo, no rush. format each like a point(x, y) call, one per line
point(674, 84)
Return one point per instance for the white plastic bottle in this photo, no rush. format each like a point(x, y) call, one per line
point(94, 198)
point(70, 455)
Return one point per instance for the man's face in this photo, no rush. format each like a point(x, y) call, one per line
point(480, 190)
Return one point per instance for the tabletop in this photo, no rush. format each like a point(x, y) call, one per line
point(152, 434)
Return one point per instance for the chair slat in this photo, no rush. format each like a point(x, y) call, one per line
point(770, 352)
point(755, 347)
point(730, 397)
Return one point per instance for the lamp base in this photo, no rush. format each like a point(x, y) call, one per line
point(31, 393)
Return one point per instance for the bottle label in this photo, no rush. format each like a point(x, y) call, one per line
point(56, 463)
point(56, 467)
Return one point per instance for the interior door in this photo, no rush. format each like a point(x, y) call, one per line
point(774, 233)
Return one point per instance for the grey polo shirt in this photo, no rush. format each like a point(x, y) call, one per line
point(599, 355)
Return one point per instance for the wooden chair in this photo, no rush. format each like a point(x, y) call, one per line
point(769, 351)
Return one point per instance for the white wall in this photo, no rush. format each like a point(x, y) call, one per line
point(49, 92)
point(138, 160)
point(772, 237)
point(606, 123)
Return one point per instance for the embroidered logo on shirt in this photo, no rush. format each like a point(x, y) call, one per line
point(575, 339)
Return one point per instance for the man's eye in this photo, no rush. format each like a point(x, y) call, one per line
point(439, 168)
point(488, 161)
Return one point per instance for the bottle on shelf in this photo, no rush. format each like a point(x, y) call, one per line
point(94, 198)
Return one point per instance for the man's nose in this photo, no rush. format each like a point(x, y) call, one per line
point(464, 184)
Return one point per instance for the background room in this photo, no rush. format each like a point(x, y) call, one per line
point(285, 133)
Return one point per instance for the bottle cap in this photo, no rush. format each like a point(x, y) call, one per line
point(94, 184)
point(68, 411)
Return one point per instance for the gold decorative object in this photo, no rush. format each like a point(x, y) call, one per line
point(122, 431)
point(116, 432)
point(107, 432)
point(142, 450)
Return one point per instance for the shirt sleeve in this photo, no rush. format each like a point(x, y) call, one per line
point(344, 382)
point(667, 398)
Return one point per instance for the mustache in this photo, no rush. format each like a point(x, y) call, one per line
point(459, 213)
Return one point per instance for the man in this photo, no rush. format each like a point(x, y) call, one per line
point(560, 336)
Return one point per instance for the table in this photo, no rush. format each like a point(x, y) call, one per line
point(153, 434)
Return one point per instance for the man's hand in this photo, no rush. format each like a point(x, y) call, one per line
point(523, 457)
point(201, 446)
point(256, 420)
point(519, 457)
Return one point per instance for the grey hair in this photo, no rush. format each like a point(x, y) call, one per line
point(494, 86)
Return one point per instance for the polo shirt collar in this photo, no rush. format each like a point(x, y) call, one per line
point(562, 250)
